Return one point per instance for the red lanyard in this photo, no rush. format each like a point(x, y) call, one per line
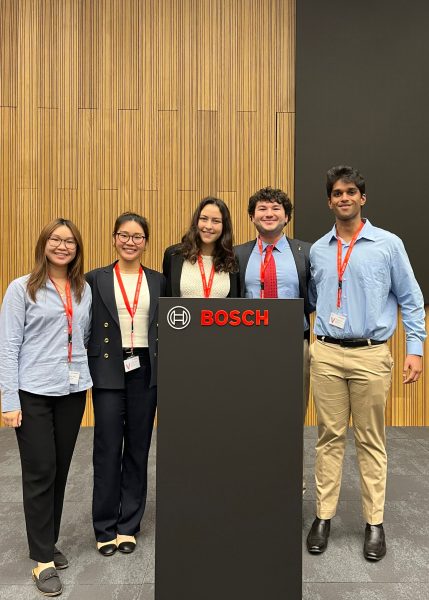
point(342, 264)
point(125, 297)
point(207, 287)
point(264, 263)
point(68, 307)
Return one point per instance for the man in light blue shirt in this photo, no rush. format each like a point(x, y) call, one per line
point(361, 274)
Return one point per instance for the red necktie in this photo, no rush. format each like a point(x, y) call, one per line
point(270, 283)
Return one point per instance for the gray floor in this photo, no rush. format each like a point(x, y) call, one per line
point(340, 573)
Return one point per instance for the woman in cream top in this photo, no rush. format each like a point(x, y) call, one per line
point(204, 265)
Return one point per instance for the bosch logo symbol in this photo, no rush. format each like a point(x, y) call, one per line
point(178, 317)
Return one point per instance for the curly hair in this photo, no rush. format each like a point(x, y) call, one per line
point(269, 194)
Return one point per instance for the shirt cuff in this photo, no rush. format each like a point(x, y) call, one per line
point(415, 347)
point(10, 402)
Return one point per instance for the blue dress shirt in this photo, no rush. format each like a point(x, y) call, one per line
point(34, 343)
point(287, 275)
point(378, 278)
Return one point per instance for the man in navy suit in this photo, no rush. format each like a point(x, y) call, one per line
point(273, 265)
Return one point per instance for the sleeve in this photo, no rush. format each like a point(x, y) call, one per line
point(410, 299)
point(88, 322)
point(12, 322)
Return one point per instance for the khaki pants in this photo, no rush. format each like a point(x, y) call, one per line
point(351, 381)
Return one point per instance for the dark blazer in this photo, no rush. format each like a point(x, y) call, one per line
point(105, 356)
point(301, 254)
point(172, 269)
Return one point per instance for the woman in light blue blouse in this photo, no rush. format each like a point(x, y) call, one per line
point(44, 375)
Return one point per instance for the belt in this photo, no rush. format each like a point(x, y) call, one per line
point(350, 343)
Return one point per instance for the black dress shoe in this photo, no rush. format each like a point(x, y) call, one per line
point(317, 539)
point(60, 561)
point(127, 547)
point(108, 549)
point(374, 547)
point(48, 582)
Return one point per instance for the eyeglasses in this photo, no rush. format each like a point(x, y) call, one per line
point(55, 241)
point(136, 237)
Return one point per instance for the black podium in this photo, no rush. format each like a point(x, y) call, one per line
point(229, 450)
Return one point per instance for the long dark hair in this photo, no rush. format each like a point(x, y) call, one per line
point(223, 256)
point(39, 274)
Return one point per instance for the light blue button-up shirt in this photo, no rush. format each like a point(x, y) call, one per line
point(378, 277)
point(287, 275)
point(34, 343)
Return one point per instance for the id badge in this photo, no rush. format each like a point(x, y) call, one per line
point(131, 363)
point(74, 377)
point(337, 320)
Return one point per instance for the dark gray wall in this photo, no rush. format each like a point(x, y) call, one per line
point(362, 98)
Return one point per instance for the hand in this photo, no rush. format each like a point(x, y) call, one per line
point(413, 366)
point(12, 418)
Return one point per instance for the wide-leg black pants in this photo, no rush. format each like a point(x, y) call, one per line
point(122, 435)
point(46, 440)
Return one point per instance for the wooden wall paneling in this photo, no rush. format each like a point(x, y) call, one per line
point(247, 49)
point(208, 54)
point(285, 56)
point(8, 52)
point(68, 129)
point(167, 21)
point(149, 89)
point(27, 120)
point(207, 152)
point(49, 62)
point(127, 17)
point(8, 160)
point(127, 153)
point(107, 149)
point(47, 157)
point(166, 210)
point(88, 40)
point(188, 98)
point(147, 203)
point(246, 153)
point(227, 92)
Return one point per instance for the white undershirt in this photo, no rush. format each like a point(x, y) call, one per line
point(191, 285)
point(141, 318)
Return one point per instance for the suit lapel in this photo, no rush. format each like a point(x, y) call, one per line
point(107, 291)
point(243, 260)
point(153, 285)
point(298, 255)
point(176, 273)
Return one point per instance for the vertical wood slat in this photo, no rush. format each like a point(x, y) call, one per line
point(148, 105)
point(8, 53)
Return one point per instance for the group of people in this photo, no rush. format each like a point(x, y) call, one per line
point(62, 332)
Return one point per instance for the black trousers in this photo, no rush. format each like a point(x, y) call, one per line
point(46, 440)
point(122, 436)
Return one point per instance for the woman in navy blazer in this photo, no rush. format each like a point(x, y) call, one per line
point(204, 265)
point(122, 354)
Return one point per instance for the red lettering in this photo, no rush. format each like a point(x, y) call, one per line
point(221, 317)
point(234, 318)
point(262, 317)
point(206, 317)
point(247, 313)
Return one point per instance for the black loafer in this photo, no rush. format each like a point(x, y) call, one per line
point(127, 547)
point(60, 561)
point(317, 539)
point(48, 582)
point(374, 547)
point(108, 549)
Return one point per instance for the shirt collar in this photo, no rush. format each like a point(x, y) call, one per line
point(366, 232)
point(281, 244)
